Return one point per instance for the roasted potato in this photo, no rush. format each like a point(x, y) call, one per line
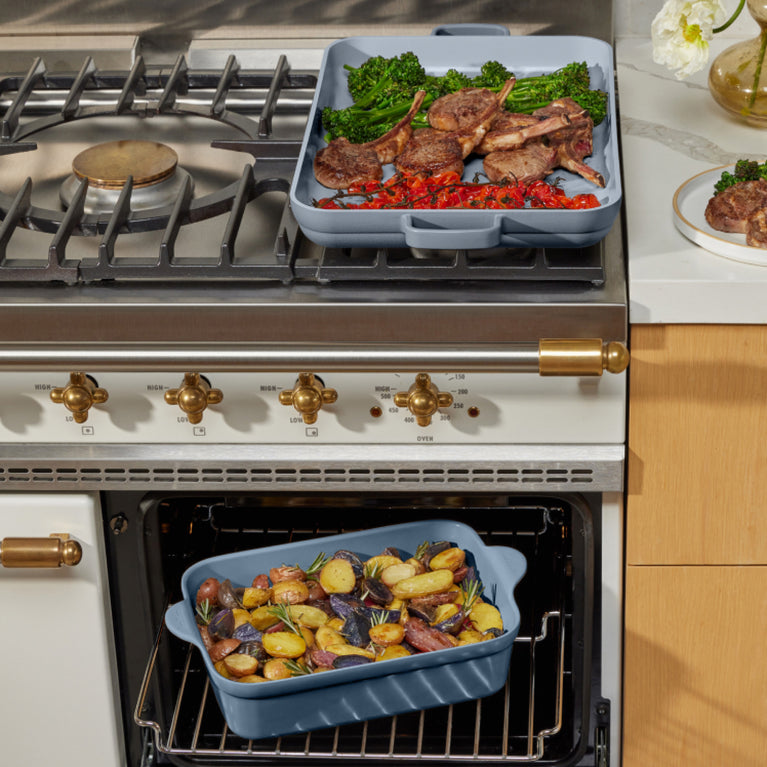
point(337, 577)
point(433, 582)
point(239, 664)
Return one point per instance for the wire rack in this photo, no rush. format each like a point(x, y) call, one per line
point(532, 718)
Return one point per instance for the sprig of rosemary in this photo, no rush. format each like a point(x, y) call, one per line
point(373, 570)
point(282, 611)
point(296, 668)
point(204, 612)
point(378, 617)
point(421, 550)
point(319, 562)
point(471, 591)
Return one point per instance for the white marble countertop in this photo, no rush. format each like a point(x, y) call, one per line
point(672, 130)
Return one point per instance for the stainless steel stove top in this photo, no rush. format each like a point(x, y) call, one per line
point(245, 275)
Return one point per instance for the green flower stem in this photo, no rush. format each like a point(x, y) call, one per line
point(758, 71)
point(732, 18)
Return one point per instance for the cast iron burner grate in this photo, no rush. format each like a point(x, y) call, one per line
point(154, 91)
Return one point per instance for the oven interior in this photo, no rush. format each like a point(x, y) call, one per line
point(550, 710)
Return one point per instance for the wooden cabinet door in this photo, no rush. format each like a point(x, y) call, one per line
point(695, 688)
point(697, 463)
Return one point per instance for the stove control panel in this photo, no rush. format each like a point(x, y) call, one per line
point(310, 407)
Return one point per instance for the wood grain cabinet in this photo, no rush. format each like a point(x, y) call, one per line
point(695, 653)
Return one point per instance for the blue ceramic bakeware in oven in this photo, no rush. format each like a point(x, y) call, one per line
point(385, 688)
point(463, 228)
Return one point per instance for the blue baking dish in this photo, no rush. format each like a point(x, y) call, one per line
point(385, 688)
point(461, 228)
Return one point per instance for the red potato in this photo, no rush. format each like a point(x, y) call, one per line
point(208, 590)
point(261, 581)
point(316, 592)
point(287, 573)
point(222, 648)
point(425, 638)
point(206, 638)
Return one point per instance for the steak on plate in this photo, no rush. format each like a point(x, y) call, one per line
point(731, 209)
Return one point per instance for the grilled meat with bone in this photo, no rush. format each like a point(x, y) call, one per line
point(467, 114)
point(574, 142)
point(430, 151)
point(511, 131)
point(532, 162)
point(459, 122)
point(341, 163)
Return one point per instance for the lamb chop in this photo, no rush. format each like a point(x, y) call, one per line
point(468, 113)
point(532, 162)
point(342, 163)
point(430, 151)
point(511, 131)
point(459, 122)
point(574, 142)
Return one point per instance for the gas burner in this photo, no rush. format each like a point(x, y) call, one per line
point(152, 167)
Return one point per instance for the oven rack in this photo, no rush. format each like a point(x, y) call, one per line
point(209, 741)
point(248, 101)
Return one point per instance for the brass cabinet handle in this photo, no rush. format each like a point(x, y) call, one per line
point(56, 550)
point(581, 357)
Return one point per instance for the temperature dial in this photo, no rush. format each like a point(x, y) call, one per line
point(79, 395)
point(423, 399)
point(193, 396)
point(308, 396)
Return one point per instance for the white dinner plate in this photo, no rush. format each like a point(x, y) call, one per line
point(690, 202)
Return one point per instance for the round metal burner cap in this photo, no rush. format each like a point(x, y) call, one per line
point(108, 166)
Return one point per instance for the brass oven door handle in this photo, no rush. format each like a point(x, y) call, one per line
point(581, 357)
point(56, 550)
point(561, 357)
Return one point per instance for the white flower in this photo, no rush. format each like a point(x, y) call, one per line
point(682, 31)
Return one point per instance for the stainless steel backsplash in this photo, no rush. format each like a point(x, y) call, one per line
point(168, 27)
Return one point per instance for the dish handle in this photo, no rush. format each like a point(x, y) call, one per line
point(179, 623)
point(427, 237)
point(471, 29)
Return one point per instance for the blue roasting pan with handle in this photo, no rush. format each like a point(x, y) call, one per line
point(463, 229)
point(384, 688)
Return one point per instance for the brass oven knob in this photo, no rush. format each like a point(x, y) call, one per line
point(56, 550)
point(79, 395)
point(308, 396)
point(423, 399)
point(193, 396)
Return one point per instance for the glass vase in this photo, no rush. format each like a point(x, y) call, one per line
point(738, 76)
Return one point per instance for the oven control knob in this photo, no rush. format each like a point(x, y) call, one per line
point(79, 395)
point(308, 396)
point(423, 399)
point(193, 396)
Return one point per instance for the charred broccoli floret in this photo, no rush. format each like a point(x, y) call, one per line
point(492, 75)
point(381, 82)
point(453, 81)
point(744, 170)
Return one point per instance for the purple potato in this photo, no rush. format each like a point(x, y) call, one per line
point(349, 661)
point(247, 633)
point(377, 591)
point(221, 625)
point(343, 604)
point(451, 625)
